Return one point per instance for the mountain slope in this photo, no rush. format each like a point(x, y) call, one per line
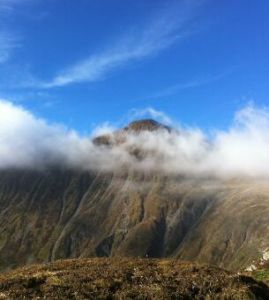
point(58, 214)
point(61, 213)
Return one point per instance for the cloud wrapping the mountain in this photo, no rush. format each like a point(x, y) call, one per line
point(27, 141)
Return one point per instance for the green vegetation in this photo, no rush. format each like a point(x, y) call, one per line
point(262, 275)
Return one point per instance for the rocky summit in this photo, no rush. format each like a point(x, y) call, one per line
point(135, 127)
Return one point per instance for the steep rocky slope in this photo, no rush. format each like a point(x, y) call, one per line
point(128, 279)
point(58, 214)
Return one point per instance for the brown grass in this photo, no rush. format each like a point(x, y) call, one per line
point(125, 278)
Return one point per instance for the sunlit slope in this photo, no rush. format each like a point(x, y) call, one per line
point(61, 214)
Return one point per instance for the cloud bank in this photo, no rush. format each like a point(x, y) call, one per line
point(27, 141)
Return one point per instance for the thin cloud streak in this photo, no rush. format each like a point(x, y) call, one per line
point(8, 5)
point(174, 89)
point(5, 5)
point(8, 42)
point(165, 30)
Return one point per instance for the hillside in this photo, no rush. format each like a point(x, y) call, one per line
point(128, 279)
point(59, 214)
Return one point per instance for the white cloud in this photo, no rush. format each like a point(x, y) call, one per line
point(244, 147)
point(30, 142)
point(170, 26)
point(152, 113)
point(103, 129)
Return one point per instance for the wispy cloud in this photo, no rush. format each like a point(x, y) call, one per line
point(168, 27)
point(5, 5)
point(8, 5)
point(8, 39)
point(195, 83)
point(8, 42)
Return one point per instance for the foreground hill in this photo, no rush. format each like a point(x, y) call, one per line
point(128, 279)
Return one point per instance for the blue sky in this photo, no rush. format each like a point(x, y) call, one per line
point(86, 62)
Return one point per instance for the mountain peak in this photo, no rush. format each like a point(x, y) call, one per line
point(136, 127)
point(145, 125)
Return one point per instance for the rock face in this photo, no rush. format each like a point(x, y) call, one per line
point(128, 279)
point(57, 214)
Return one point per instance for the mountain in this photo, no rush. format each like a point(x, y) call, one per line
point(128, 279)
point(135, 127)
point(57, 213)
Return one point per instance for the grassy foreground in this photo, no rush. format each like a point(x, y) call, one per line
point(127, 278)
